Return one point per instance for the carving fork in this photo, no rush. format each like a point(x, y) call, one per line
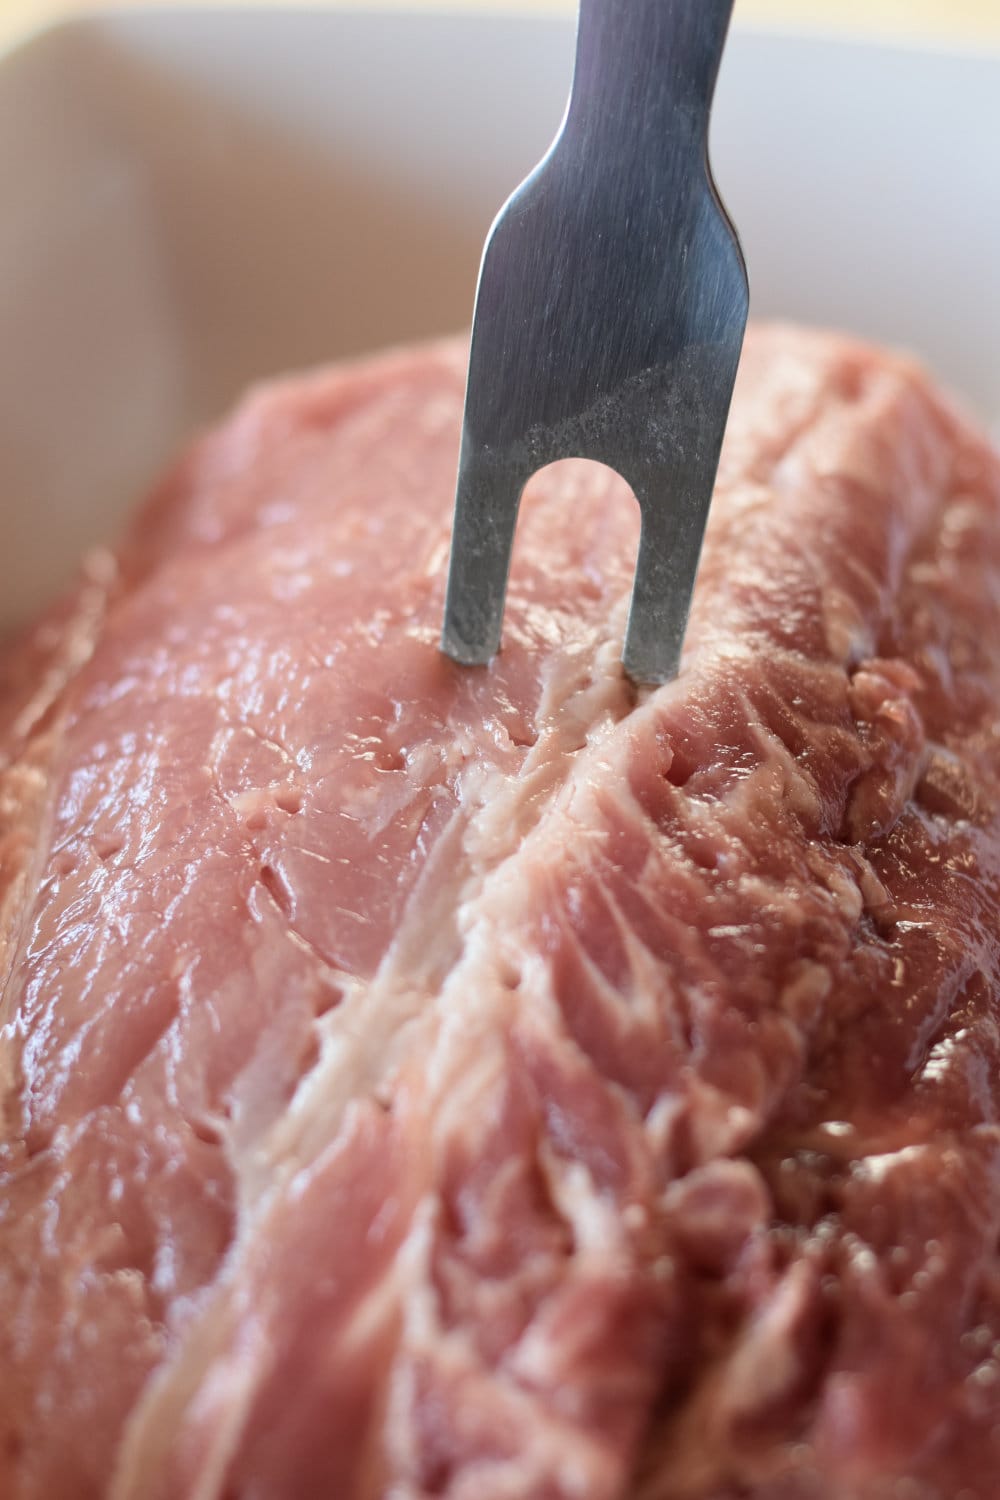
point(609, 319)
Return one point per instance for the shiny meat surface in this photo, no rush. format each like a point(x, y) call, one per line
point(499, 1084)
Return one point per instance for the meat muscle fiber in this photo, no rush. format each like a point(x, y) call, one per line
point(504, 1084)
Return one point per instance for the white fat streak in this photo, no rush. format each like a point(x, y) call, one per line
point(436, 989)
point(549, 1447)
point(693, 1454)
point(226, 1396)
point(143, 1457)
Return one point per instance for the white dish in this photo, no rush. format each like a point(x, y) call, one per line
point(192, 200)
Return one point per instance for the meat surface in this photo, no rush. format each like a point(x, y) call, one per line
point(502, 1084)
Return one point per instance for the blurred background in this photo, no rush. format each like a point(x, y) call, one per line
point(195, 198)
point(956, 20)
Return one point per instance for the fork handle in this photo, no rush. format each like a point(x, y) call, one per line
point(644, 67)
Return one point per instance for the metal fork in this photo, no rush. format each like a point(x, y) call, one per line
point(609, 319)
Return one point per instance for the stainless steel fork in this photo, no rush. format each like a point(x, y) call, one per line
point(609, 319)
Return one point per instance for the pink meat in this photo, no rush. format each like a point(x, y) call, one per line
point(501, 1084)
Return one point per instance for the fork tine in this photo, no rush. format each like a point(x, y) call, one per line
point(486, 508)
point(669, 547)
point(661, 599)
point(674, 497)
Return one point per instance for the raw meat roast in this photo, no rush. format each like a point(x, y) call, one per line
point(505, 1084)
